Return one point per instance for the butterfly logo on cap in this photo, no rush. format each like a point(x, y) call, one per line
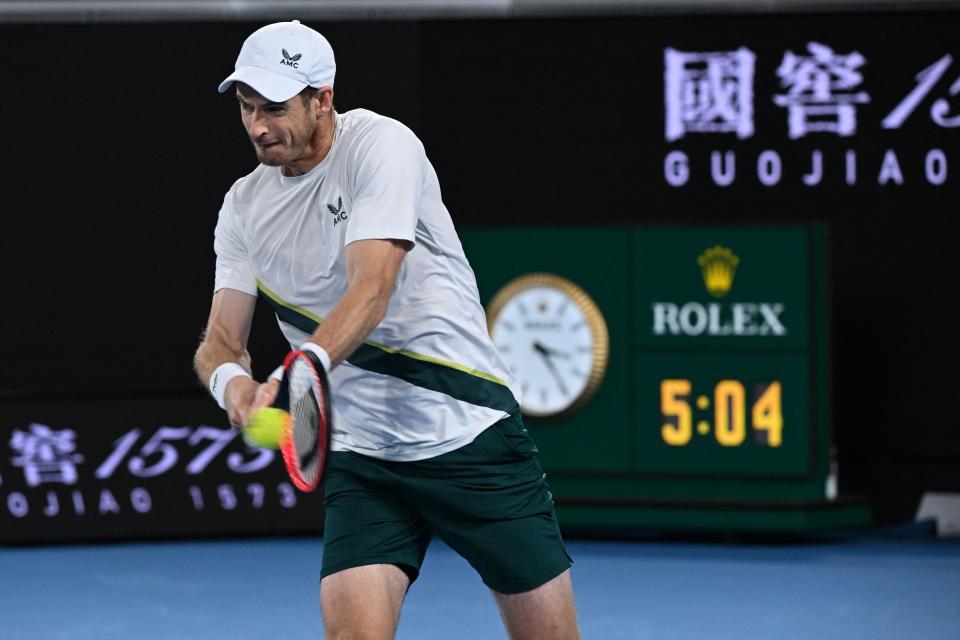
point(290, 61)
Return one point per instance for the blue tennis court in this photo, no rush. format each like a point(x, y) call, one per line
point(873, 587)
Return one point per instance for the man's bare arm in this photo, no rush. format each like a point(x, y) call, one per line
point(372, 267)
point(225, 340)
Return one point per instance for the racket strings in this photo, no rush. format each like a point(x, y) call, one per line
point(305, 411)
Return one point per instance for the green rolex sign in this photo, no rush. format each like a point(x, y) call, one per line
point(713, 410)
point(722, 338)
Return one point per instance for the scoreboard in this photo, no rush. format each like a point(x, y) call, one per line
point(713, 410)
point(727, 353)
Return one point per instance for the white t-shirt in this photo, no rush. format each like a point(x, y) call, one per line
point(428, 379)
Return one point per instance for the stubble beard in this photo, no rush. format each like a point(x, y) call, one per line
point(268, 157)
point(289, 152)
point(270, 161)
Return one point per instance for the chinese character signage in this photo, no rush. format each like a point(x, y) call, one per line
point(709, 92)
point(817, 95)
point(105, 468)
point(45, 455)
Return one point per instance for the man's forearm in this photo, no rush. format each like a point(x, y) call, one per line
point(357, 313)
point(213, 352)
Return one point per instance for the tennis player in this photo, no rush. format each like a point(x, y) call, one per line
point(342, 230)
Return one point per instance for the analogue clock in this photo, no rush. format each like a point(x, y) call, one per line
point(553, 337)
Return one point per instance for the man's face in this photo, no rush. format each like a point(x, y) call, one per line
point(281, 132)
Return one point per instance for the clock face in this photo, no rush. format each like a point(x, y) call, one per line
point(550, 336)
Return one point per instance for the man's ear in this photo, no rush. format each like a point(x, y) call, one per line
point(325, 97)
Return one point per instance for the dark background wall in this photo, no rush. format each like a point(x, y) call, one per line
point(117, 151)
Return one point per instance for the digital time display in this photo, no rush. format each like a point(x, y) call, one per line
point(734, 414)
point(707, 413)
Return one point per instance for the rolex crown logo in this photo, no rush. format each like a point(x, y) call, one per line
point(718, 265)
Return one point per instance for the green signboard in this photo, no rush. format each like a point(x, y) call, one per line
point(712, 411)
point(725, 353)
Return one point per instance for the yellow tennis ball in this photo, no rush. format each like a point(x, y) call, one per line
point(266, 427)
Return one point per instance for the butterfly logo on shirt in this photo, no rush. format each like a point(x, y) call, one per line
point(339, 215)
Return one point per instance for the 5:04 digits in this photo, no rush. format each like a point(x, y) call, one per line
point(729, 403)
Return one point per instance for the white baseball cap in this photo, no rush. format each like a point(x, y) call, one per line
point(281, 59)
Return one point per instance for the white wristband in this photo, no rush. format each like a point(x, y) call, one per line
point(221, 377)
point(319, 351)
point(277, 374)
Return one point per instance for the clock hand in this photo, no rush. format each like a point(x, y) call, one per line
point(556, 352)
point(545, 354)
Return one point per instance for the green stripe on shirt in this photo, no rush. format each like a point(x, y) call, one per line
point(455, 380)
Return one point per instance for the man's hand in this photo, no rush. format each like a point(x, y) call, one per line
point(266, 394)
point(244, 395)
point(238, 397)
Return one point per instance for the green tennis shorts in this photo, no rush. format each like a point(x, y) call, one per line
point(488, 500)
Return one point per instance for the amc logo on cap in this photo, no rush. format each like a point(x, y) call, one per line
point(290, 61)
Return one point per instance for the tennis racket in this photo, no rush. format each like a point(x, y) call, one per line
point(304, 393)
